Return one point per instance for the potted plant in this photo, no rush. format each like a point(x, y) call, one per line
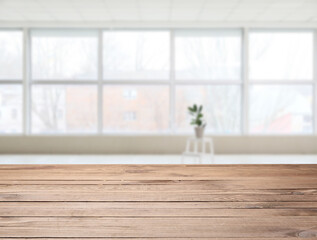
point(197, 120)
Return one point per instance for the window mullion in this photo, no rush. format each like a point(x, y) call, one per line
point(172, 82)
point(26, 81)
point(245, 79)
point(315, 83)
point(100, 84)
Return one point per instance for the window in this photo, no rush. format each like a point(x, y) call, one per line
point(89, 81)
point(64, 55)
point(141, 56)
point(130, 94)
point(208, 55)
point(14, 113)
point(10, 100)
point(136, 55)
point(281, 109)
point(11, 57)
point(79, 103)
point(129, 116)
point(281, 55)
point(151, 107)
point(222, 107)
point(60, 114)
point(280, 59)
point(215, 56)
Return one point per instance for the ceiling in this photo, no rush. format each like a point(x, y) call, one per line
point(198, 11)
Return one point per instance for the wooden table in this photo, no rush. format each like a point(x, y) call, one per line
point(227, 202)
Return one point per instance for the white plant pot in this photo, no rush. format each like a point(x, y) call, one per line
point(199, 132)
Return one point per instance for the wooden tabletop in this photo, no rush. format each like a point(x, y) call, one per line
point(227, 202)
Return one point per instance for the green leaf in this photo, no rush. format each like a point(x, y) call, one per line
point(196, 112)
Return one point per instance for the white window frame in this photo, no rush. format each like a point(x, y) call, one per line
point(312, 83)
point(172, 83)
point(19, 82)
point(30, 83)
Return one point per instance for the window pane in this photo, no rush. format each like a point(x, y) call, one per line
point(208, 55)
point(136, 108)
point(281, 55)
point(11, 55)
point(221, 107)
point(64, 54)
point(281, 109)
point(10, 109)
point(64, 109)
point(136, 55)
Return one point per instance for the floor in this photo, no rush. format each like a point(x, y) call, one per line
point(223, 202)
point(156, 159)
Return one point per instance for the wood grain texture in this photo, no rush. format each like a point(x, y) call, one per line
point(236, 238)
point(181, 202)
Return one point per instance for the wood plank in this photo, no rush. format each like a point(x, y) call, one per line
point(201, 188)
point(158, 227)
point(81, 209)
point(163, 205)
point(152, 197)
point(221, 184)
point(236, 238)
point(145, 172)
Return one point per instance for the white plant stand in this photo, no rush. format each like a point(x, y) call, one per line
point(199, 148)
